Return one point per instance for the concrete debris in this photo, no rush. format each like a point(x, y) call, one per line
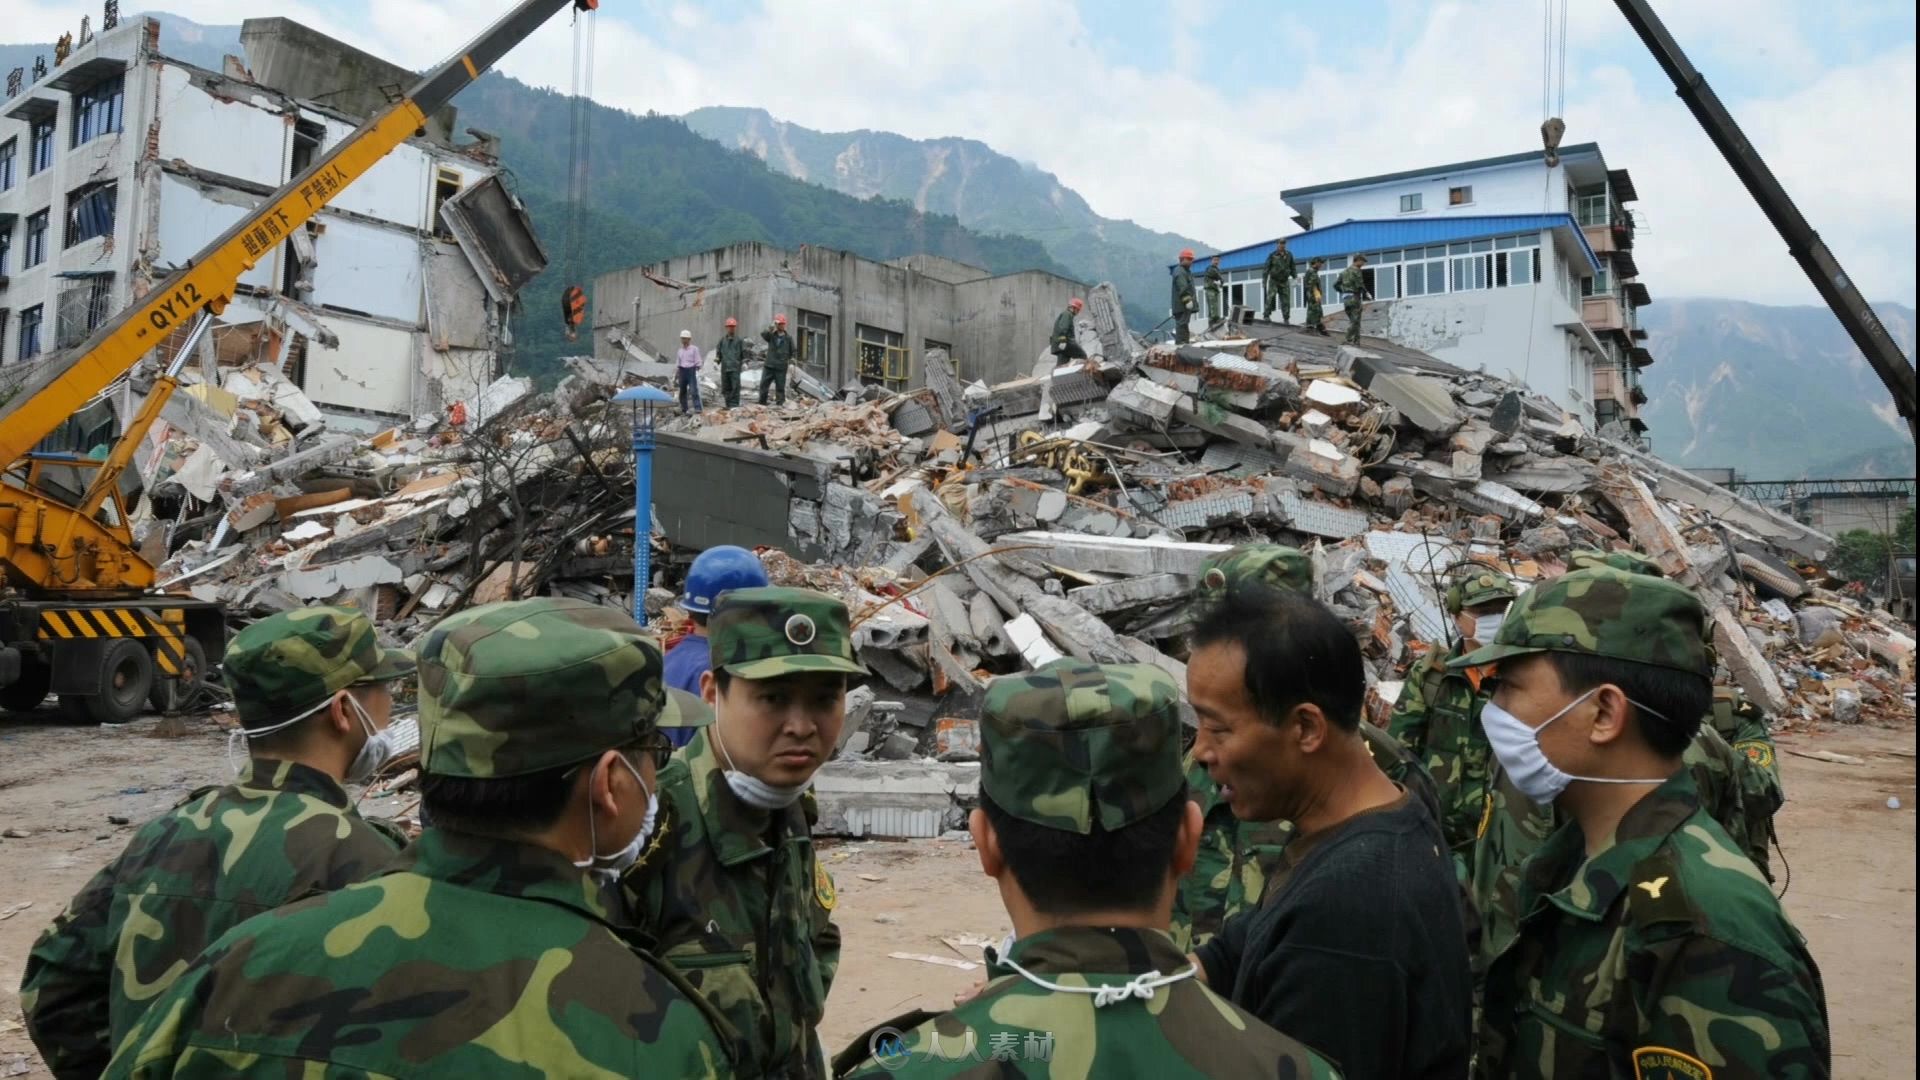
point(977, 530)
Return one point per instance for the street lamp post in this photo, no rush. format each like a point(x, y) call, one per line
point(644, 400)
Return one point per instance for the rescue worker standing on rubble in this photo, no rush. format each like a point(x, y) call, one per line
point(733, 356)
point(686, 373)
point(311, 689)
point(1064, 343)
point(1438, 714)
point(486, 949)
point(1647, 945)
point(1184, 301)
point(1086, 828)
point(773, 374)
point(1352, 287)
point(1279, 282)
point(715, 571)
point(1214, 286)
point(733, 896)
point(1315, 296)
point(1237, 860)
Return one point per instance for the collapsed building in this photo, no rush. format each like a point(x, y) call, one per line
point(121, 162)
point(976, 529)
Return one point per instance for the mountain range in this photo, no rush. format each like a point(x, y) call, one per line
point(1776, 392)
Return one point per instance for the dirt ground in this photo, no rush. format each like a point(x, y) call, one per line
point(1852, 889)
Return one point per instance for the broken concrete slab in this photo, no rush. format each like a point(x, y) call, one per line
point(1134, 592)
point(1423, 402)
point(1744, 660)
point(907, 799)
point(315, 583)
point(1120, 556)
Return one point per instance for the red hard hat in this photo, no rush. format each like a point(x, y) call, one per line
point(731, 323)
point(1076, 303)
point(1185, 254)
point(781, 319)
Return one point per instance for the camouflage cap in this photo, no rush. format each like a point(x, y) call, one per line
point(1267, 564)
point(684, 710)
point(288, 663)
point(1476, 586)
point(1605, 612)
point(520, 687)
point(1631, 562)
point(1073, 743)
point(767, 632)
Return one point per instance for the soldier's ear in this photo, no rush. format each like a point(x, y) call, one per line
point(1186, 841)
point(709, 689)
point(986, 843)
point(1310, 727)
point(1610, 715)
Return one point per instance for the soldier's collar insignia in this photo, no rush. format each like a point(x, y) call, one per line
point(1216, 578)
point(800, 630)
point(1653, 887)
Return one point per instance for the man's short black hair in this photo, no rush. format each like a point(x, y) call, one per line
point(1297, 651)
point(1065, 873)
point(699, 618)
point(723, 679)
point(506, 807)
point(290, 740)
point(1680, 698)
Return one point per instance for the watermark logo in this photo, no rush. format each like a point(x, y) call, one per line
point(888, 1047)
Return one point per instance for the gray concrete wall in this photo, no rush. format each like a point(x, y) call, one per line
point(705, 493)
point(1001, 324)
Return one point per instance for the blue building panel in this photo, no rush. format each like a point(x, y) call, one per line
point(1350, 237)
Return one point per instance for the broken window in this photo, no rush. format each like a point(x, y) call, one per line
point(446, 184)
point(90, 212)
point(307, 137)
point(813, 337)
point(83, 306)
point(1460, 196)
point(30, 332)
point(9, 153)
point(882, 356)
point(98, 109)
point(1410, 203)
point(36, 240)
point(40, 146)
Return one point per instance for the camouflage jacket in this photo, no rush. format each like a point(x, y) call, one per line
point(1017, 1028)
point(220, 857)
point(1743, 725)
point(732, 352)
point(467, 957)
point(1438, 719)
point(1237, 859)
point(1183, 299)
point(1513, 829)
point(1279, 266)
point(1062, 331)
point(1213, 279)
point(733, 898)
point(779, 347)
point(1353, 283)
point(1662, 955)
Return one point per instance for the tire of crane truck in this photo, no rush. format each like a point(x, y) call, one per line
point(126, 678)
point(170, 693)
point(24, 694)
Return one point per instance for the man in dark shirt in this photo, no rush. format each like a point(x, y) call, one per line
point(1357, 948)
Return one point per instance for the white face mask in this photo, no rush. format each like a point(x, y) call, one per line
point(612, 866)
point(1517, 746)
point(381, 746)
point(750, 789)
point(1486, 626)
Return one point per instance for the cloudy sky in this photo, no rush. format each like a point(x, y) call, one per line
point(1192, 117)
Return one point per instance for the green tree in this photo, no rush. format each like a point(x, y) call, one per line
point(1861, 554)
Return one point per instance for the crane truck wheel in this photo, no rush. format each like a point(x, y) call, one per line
point(24, 694)
point(126, 678)
point(171, 693)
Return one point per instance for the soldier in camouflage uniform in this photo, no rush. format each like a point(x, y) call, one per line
point(1085, 825)
point(1438, 714)
point(1184, 302)
point(1647, 945)
point(1237, 859)
point(1315, 296)
point(773, 374)
point(733, 357)
point(487, 949)
point(1215, 287)
point(1279, 275)
point(311, 688)
point(732, 894)
point(1352, 286)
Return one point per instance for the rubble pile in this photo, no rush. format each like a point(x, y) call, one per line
point(975, 530)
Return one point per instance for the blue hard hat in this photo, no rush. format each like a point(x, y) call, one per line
point(717, 570)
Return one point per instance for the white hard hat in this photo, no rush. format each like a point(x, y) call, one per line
point(686, 333)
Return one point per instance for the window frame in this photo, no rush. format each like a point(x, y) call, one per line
point(1464, 193)
point(9, 163)
point(40, 145)
point(804, 331)
point(1417, 199)
point(70, 237)
point(36, 245)
point(33, 324)
point(6, 249)
point(96, 113)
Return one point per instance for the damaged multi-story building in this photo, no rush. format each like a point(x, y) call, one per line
point(852, 318)
point(1514, 264)
point(119, 162)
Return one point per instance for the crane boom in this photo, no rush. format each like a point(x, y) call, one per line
point(208, 281)
point(1803, 243)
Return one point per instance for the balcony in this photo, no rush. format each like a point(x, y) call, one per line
point(1616, 385)
point(1604, 312)
point(1600, 238)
